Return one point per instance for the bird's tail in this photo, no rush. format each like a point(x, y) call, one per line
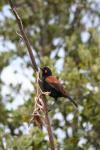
point(71, 99)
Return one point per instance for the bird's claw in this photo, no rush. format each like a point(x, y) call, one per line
point(46, 93)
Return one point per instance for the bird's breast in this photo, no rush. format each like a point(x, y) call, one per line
point(49, 88)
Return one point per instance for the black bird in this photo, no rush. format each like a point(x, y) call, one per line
point(51, 84)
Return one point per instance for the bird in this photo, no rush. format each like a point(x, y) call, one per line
point(52, 85)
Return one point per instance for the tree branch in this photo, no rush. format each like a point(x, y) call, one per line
point(34, 65)
point(19, 21)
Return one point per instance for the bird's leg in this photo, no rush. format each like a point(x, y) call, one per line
point(45, 93)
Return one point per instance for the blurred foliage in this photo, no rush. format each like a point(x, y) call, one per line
point(64, 35)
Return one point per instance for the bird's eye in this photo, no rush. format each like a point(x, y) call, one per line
point(46, 71)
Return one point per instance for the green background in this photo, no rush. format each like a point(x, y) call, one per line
point(64, 35)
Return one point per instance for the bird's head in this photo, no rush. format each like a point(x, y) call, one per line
point(46, 72)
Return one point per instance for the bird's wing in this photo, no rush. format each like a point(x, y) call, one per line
point(52, 79)
point(55, 83)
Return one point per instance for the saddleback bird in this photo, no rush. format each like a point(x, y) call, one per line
point(51, 84)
